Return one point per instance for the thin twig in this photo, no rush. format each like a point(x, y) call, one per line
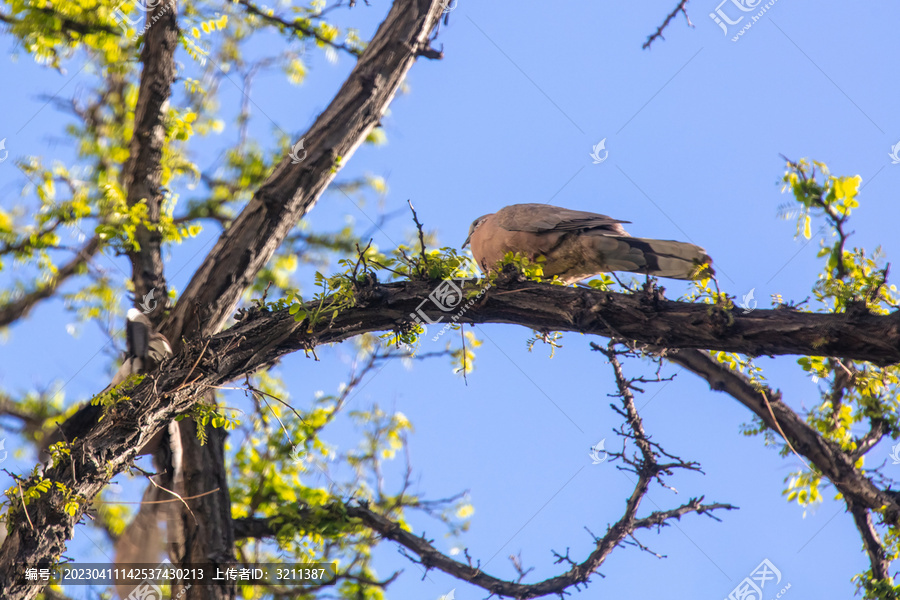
point(659, 30)
point(777, 426)
point(25, 508)
point(179, 499)
point(257, 391)
point(421, 233)
point(462, 335)
point(196, 362)
point(177, 495)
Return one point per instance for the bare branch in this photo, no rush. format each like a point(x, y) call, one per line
point(21, 307)
point(296, 26)
point(424, 553)
point(827, 456)
point(659, 30)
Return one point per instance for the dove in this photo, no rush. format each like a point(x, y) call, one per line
point(577, 244)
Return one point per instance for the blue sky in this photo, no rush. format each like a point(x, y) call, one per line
point(694, 128)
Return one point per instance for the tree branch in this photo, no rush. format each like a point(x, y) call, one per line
point(429, 557)
point(659, 30)
point(292, 189)
point(262, 337)
point(871, 541)
point(827, 456)
point(21, 307)
point(297, 26)
point(142, 174)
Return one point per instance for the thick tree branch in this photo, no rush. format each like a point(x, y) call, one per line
point(262, 337)
point(105, 448)
point(827, 456)
point(871, 541)
point(21, 307)
point(142, 174)
point(636, 317)
point(292, 189)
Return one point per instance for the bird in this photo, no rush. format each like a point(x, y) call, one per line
point(578, 244)
point(145, 350)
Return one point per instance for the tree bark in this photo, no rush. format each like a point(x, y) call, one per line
point(293, 189)
point(142, 174)
point(208, 528)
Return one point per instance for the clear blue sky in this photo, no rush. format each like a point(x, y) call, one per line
point(694, 128)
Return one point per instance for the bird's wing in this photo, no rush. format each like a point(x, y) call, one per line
point(159, 348)
point(542, 218)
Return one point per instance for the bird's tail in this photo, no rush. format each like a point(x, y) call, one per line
point(668, 258)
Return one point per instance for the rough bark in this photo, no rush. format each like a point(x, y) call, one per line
point(292, 189)
point(143, 172)
point(829, 459)
point(208, 528)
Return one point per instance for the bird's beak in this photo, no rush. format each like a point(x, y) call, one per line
point(466, 243)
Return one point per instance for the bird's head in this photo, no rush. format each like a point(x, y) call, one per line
point(475, 225)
